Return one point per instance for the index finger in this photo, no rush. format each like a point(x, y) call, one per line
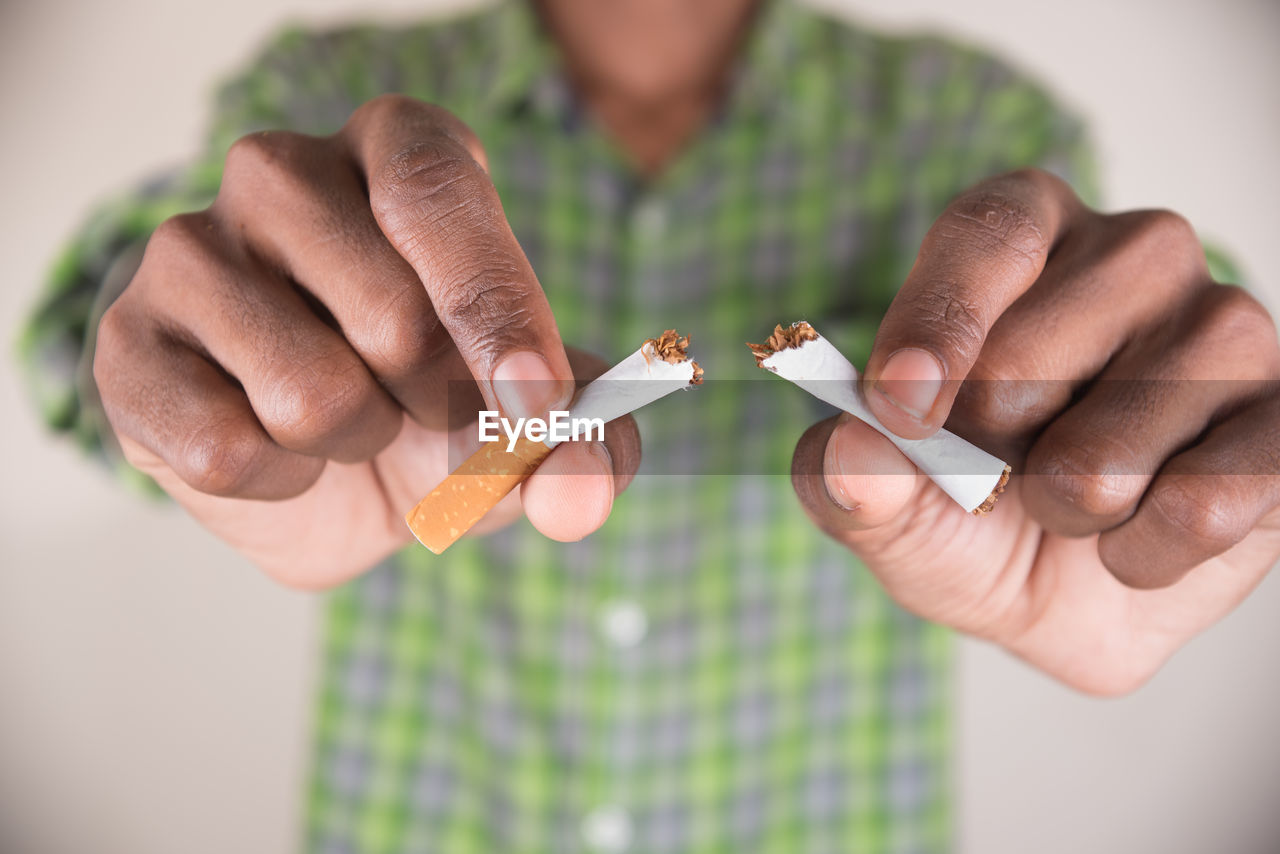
point(434, 201)
point(986, 249)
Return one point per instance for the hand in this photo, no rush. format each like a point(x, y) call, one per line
point(280, 363)
point(1138, 401)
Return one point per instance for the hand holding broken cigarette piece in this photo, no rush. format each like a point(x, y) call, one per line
point(971, 476)
point(660, 366)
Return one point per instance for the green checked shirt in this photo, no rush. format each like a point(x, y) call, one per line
point(707, 673)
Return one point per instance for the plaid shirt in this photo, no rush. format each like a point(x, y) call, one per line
point(707, 673)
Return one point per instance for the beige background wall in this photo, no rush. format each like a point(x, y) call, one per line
point(154, 688)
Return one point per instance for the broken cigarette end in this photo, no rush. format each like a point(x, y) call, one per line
point(783, 338)
point(670, 346)
point(990, 502)
point(673, 348)
point(973, 478)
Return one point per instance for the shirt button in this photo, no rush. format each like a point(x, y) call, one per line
point(623, 624)
point(607, 829)
point(650, 220)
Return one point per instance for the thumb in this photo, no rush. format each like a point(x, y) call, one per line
point(931, 556)
point(853, 481)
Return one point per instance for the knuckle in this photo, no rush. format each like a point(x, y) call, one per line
point(1167, 241)
point(396, 108)
point(220, 460)
point(995, 401)
point(1091, 479)
point(426, 195)
point(185, 254)
point(1042, 178)
point(247, 157)
point(1169, 228)
point(1231, 314)
point(385, 107)
point(491, 302)
point(124, 339)
point(393, 106)
point(392, 109)
point(990, 219)
point(959, 322)
point(306, 406)
point(427, 181)
point(265, 164)
point(980, 402)
point(1191, 508)
point(455, 129)
point(263, 153)
point(401, 337)
point(180, 237)
point(114, 328)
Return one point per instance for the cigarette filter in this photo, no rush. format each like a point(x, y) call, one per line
point(971, 476)
point(660, 366)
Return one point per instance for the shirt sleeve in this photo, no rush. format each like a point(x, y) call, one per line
point(288, 85)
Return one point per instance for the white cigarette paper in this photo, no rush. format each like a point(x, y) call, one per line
point(971, 476)
point(636, 381)
point(659, 367)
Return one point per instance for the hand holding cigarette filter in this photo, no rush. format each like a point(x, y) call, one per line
point(971, 476)
point(660, 366)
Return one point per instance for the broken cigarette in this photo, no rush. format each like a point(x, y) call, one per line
point(971, 476)
point(661, 366)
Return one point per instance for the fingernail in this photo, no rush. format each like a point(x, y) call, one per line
point(911, 380)
point(600, 451)
point(832, 464)
point(839, 496)
point(525, 386)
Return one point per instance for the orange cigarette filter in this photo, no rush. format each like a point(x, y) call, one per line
point(472, 490)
